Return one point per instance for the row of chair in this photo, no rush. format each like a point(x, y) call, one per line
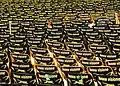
point(50, 42)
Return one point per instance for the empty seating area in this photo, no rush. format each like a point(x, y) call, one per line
point(60, 43)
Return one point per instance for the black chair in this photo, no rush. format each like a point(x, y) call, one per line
point(47, 74)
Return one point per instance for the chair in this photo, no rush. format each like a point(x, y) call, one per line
point(47, 74)
point(75, 75)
